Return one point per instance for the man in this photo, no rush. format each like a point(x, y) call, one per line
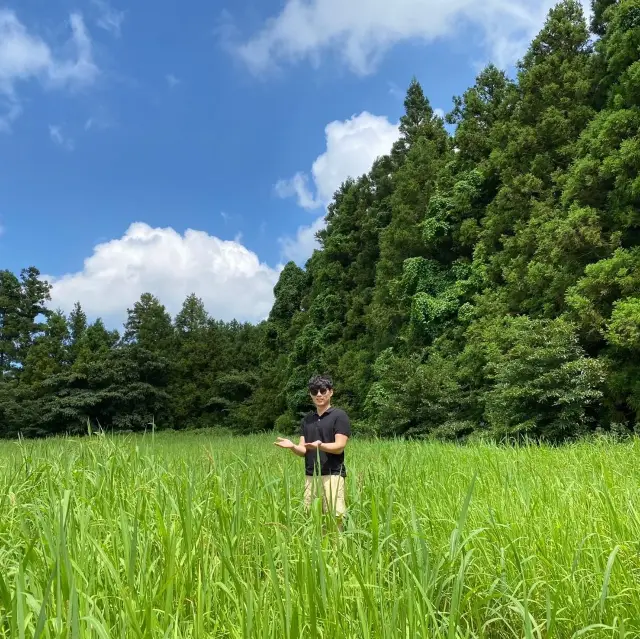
point(323, 437)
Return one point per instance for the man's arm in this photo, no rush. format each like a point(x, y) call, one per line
point(342, 433)
point(335, 448)
point(300, 450)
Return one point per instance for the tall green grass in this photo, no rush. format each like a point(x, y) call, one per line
point(202, 536)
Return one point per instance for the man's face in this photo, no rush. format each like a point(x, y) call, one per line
point(321, 396)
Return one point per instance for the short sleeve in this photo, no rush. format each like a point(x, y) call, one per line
point(343, 425)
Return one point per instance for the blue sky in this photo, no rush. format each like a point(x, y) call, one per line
point(177, 148)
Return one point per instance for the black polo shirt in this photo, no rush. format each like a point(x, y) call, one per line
point(324, 428)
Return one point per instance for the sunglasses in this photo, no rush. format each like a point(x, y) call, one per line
point(319, 389)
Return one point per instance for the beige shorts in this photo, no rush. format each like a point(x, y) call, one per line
point(332, 493)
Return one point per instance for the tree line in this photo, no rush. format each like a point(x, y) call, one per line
point(479, 283)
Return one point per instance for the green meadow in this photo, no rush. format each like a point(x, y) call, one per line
point(198, 535)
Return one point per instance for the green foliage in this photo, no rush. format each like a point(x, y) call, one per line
point(411, 397)
point(149, 325)
point(10, 298)
point(591, 301)
point(35, 293)
point(542, 384)
point(623, 329)
point(50, 351)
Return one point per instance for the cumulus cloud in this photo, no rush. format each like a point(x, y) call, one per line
point(362, 32)
point(351, 148)
point(25, 56)
point(229, 278)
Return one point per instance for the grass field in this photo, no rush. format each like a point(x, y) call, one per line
point(203, 536)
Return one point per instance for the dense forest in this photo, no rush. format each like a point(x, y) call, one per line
point(484, 282)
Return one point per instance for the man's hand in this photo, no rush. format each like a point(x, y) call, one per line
point(284, 443)
point(334, 448)
point(287, 444)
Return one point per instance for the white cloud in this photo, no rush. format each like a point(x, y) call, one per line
point(109, 19)
point(396, 91)
point(96, 122)
point(56, 135)
point(361, 31)
point(440, 113)
point(72, 72)
point(229, 278)
point(24, 56)
point(100, 119)
point(352, 147)
point(172, 80)
point(298, 185)
point(9, 112)
point(300, 247)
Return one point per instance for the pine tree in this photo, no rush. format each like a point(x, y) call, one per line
point(50, 352)
point(77, 328)
point(534, 148)
point(603, 188)
point(417, 114)
point(192, 377)
point(10, 300)
point(193, 317)
point(94, 345)
point(149, 325)
point(35, 294)
point(427, 148)
point(600, 15)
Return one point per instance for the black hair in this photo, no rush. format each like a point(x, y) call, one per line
point(320, 381)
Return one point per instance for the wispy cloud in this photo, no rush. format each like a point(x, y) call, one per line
point(58, 137)
point(100, 119)
point(25, 57)
point(172, 80)
point(363, 32)
point(298, 185)
point(10, 110)
point(396, 91)
point(109, 18)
